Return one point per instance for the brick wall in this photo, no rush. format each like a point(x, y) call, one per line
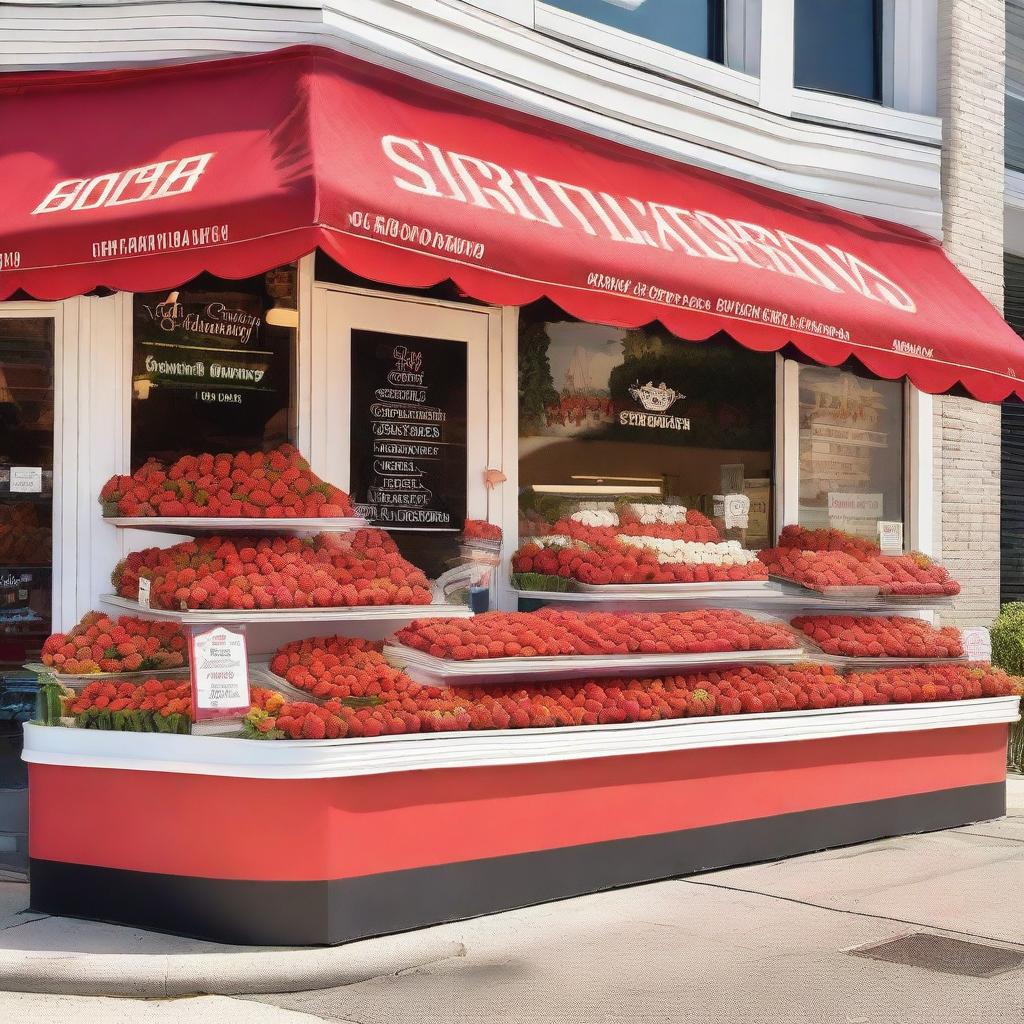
point(966, 433)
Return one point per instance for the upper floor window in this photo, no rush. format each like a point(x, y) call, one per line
point(1015, 85)
point(838, 46)
point(693, 26)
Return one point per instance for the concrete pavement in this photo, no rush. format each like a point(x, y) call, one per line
point(768, 942)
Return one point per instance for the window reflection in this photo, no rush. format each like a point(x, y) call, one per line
point(837, 47)
point(693, 26)
point(609, 415)
point(851, 451)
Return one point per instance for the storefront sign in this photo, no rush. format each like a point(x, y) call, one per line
point(26, 479)
point(220, 672)
point(204, 342)
point(656, 400)
point(977, 641)
point(408, 430)
point(890, 537)
point(854, 506)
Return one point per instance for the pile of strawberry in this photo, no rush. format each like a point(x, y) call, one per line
point(363, 567)
point(156, 705)
point(696, 528)
point(255, 485)
point(935, 682)
point(819, 559)
point(338, 667)
point(480, 529)
point(603, 561)
point(827, 540)
point(551, 632)
point(411, 708)
point(883, 636)
point(101, 644)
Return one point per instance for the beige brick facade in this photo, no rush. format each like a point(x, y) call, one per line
point(967, 433)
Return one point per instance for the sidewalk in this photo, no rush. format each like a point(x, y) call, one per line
point(770, 942)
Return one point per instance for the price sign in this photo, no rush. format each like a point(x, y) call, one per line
point(890, 537)
point(144, 586)
point(26, 479)
point(977, 643)
point(220, 672)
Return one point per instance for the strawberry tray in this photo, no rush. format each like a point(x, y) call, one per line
point(353, 613)
point(194, 526)
point(425, 668)
point(838, 594)
point(671, 589)
point(76, 680)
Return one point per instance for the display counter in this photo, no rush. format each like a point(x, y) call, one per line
point(321, 842)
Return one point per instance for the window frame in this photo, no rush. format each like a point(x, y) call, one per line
point(738, 42)
point(759, 47)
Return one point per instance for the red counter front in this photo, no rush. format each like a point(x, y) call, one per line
point(312, 843)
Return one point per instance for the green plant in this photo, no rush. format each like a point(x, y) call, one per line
point(1008, 638)
point(1008, 654)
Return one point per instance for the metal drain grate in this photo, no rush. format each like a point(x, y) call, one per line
point(945, 955)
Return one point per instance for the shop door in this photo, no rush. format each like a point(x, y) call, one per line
point(403, 422)
point(27, 348)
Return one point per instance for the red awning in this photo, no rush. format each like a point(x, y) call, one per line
point(140, 179)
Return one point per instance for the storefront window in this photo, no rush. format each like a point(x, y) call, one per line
point(26, 539)
point(837, 47)
point(693, 26)
point(608, 416)
point(851, 452)
point(213, 358)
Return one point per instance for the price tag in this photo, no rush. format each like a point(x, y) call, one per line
point(26, 479)
point(220, 672)
point(890, 536)
point(734, 509)
point(977, 643)
point(143, 592)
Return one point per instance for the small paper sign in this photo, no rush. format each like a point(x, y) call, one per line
point(890, 536)
point(734, 509)
point(144, 586)
point(26, 479)
point(220, 672)
point(977, 643)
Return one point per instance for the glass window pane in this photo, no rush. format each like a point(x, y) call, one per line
point(851, 451)
point(837, 46)
point(26, 537)
point(693, 26)
point(214, 360)
point(609, 415)
point(1014, 132)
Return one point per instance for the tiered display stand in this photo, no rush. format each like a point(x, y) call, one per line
point(325, 841)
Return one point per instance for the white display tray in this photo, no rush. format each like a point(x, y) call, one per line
point(189, 526)
point(359, 613)
point(77, 679)
point(669, 589)
point(862, 597)
point(260, 675)
point(841, 595)
point(505, 671)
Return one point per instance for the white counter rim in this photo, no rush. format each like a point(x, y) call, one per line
point(313, 759)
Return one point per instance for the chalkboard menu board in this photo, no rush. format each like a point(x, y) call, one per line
point(408, 431)
point(203, 342)
point(207, 362)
